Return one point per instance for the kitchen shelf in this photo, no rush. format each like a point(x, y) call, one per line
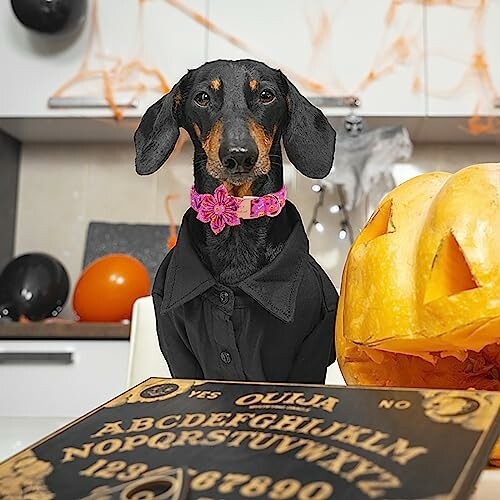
point(54, 330)
point(105, 129)
point(70, 129)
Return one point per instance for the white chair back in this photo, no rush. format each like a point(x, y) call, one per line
point(145, 358)
point(334, 375)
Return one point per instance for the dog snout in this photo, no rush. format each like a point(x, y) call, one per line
point(238, 158)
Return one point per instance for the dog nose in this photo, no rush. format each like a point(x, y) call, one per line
point(239, 158)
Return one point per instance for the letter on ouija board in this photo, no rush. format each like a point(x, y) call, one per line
point(237, 437)
point(71, 453)
point(141, 424)
point(377, 488)
point(216, 437)
point(350, 434)
point(293, 398)
point(313, 424)
point(370, 442)
point(132, 442)
point(239, 418)
point(161, 423)
point(110, 428)
point(328, 404)
point(192, 438)
point(108, 446)
point(263, 421)
point(319, 401)
point(193, 420)
point(313, 451)
point(248, 399)
point(274, 398)
point(288, 443)
point(401, 452)
point(331, 429)
point(162, 440)
point(217, 419)
point(256, 443)
point(289, 423)
point(363, 468)
point(334, 465)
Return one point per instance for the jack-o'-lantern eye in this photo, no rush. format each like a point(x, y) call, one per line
point(450, 273)
point(380, 223)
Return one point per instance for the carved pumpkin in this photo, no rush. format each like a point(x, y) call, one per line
point(420, 294)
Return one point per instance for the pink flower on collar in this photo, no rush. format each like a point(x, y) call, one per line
point(219, 209)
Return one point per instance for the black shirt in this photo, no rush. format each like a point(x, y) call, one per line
point(276, 325)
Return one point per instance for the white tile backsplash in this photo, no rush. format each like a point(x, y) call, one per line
point(113, 191)
point(63, 187)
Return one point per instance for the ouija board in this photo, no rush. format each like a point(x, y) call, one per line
point(175, 439)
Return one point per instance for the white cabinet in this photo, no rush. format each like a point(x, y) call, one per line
point(374, 49)
point(406, 60)
point(59, 378)
point(33, 66)
point(463, 60)
point(157, 34)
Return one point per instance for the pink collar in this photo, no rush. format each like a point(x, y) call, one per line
point(221, 208)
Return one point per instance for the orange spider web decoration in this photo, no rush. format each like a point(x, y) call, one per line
point(402, 48)
point(476, 73)
point(389, 59)
point(116, 75)
point(119, 75)
point(304, 81)
point(392, 51)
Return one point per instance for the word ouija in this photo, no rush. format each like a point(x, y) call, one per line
point(318, 401)
point(171, 431)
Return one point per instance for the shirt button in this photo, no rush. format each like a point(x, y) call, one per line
point(226, 357)
point(224, 297)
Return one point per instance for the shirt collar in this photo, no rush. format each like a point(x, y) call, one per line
point(274, 287)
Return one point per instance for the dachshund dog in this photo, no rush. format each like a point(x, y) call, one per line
point(243, 301)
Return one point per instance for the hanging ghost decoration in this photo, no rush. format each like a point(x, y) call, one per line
point(365, 160)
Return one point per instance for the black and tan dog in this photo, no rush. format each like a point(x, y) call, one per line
point(247, 302)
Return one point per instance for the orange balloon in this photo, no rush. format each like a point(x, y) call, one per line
point(108, 288)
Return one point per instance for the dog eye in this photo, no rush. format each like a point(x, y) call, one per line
point(266, 96)
point(202, 99)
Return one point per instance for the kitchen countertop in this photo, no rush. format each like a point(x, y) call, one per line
point(67, 330)
point(16, 433)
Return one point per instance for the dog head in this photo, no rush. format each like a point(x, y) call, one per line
point(236, 112)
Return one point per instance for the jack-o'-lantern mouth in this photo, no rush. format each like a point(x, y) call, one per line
point(477, 370)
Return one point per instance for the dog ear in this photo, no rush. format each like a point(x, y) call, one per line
point(308, 138)
point(157, 133)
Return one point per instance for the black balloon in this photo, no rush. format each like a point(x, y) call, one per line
point(50, 16)
point(34, 285)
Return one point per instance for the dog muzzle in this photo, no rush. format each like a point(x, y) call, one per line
point(221, 209)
